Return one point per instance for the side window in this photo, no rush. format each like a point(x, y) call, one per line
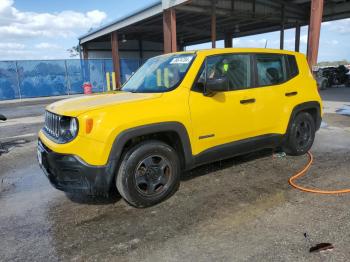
point(292, 66)
point(234, 67)
point(270, 69)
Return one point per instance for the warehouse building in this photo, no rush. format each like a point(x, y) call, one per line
point(170, 25)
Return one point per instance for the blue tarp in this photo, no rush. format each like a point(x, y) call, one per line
point(24, 79)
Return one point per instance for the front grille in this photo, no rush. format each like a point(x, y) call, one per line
point(52, 124)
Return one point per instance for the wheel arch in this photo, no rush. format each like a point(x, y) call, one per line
point(312, 107)
point(169, 132)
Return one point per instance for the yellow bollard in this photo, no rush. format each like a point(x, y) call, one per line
point(113, 81)
point(166, 77)
point(159, 77)
point(108, 80)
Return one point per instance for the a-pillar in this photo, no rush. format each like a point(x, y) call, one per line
point(169, 30)
point(316, 14)
point(115, 58)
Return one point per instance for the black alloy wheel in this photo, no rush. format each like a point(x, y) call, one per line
point(301, 135)
point(152, 175)
point(149, 173)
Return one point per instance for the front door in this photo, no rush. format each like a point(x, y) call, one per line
point(228, 116)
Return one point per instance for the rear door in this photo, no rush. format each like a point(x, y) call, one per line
point(269, 94)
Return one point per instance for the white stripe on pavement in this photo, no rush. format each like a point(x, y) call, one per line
point(23, 120)
point(19, 136)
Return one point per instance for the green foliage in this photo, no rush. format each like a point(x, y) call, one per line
point(334, 63)
point(74, 51)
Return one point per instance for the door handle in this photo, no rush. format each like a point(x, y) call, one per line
point(291, 93)
point(248, 101)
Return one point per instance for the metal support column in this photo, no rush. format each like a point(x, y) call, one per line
point(85, 52)
point(297, 38)
point(213, 25)
point(314, 31)
point(282, 28)
point(169, 30)
point(140, 50)
point(85, 63)
point(228, 40)
point(115, 57)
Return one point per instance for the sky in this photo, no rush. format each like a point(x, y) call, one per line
point(45, 29)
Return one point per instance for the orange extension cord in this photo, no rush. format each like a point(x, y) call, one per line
point(317, 191)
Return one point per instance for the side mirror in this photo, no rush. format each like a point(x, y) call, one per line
point(215, 85)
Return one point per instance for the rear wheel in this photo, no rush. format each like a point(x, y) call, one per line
point(148, 174)
point(301, 135)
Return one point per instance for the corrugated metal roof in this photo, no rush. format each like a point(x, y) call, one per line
point(238, 18)
point(152, 9)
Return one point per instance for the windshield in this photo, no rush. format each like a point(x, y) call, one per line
point(159, 74)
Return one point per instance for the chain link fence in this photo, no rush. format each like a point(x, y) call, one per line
point(39, 78)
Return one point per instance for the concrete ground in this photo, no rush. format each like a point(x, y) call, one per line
point(242, 209)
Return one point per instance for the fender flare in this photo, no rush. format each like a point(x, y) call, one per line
point(126, 135)
point(305, 106)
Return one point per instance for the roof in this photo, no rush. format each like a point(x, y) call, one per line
point(218, 51)
point(213, 51)
point(138, 15)
point(238, 18)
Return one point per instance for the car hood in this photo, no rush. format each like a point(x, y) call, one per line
point(76, 106)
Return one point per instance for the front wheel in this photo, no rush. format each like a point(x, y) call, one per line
point(149, 173)
point(301, 135)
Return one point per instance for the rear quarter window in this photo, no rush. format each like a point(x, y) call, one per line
point(292, 65)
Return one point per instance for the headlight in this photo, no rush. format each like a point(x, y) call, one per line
point(69, 129)
point(73, 127)
point(62, 129)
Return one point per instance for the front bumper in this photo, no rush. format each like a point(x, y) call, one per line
point(71, 174)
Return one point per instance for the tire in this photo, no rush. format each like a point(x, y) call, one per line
point(149, 173)
point(301, 135)
point(324, 85)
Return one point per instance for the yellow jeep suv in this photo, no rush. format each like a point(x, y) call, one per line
point(179, 111)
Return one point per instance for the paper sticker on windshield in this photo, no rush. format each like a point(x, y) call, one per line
point(181, 60)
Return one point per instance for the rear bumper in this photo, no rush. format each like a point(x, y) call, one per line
point(71, 174)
